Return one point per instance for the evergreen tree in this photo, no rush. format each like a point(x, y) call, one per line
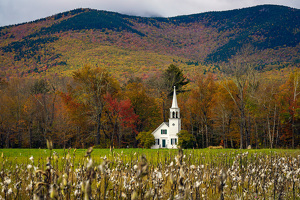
point(173, 76)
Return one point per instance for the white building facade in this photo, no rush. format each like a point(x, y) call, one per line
point(166, 134)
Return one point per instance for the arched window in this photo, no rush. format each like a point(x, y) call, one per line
point(176, 114)
point(173, 114)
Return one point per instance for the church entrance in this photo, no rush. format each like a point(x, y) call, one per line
point(163, 143)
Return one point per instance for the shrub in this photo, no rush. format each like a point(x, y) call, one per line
point(185, 139)
point(146, 139)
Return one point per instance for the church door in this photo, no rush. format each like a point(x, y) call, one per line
point(163, 143)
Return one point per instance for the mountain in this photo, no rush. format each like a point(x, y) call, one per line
point(266, 36)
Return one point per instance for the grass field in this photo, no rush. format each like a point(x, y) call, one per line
point(154, 156)
point(149, 174)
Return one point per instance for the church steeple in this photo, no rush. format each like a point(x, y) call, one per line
point(174, 102)
point(174, 120)
point(174, 110)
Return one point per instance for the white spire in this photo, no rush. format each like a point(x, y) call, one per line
point(174, 102)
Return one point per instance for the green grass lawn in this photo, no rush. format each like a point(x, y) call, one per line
point(154, 156)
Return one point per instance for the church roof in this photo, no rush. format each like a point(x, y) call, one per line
point(166, 123)
point(174, 102)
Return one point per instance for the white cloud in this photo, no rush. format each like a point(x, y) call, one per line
point(18, 11)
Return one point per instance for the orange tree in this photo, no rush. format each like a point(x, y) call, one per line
point(290, 109)
point(91, 84)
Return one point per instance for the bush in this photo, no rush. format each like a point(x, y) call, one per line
point(185, 139)
point(146, 139)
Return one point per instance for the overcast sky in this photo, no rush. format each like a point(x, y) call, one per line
point(19, 11)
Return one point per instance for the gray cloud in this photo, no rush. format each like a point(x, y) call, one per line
point(19, 11)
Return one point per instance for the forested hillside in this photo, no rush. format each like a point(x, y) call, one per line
point(128, 45)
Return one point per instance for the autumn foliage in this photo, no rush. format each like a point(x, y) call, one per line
point(93, 108)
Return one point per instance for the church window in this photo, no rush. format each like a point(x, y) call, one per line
point(176, 114)
point(173, 141)
point(173, 115)
point(163, 131)
point(156, 141)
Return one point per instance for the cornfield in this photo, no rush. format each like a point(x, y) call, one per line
point(176, 174)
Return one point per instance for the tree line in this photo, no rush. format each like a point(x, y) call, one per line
point(93, 108)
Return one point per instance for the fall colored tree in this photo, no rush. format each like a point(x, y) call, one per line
point(13, 95)
point(144, 106)
point(224, 116)
point(75, 118)
point(244, 78)
point(92, 84)
point(201, 102)
point(120, 114)
point(290, 108)
point(264, 109)
point(44, 101)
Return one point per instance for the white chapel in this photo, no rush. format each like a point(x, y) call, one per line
point(166, 134)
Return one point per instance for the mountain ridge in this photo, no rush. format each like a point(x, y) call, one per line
point(191, 41)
